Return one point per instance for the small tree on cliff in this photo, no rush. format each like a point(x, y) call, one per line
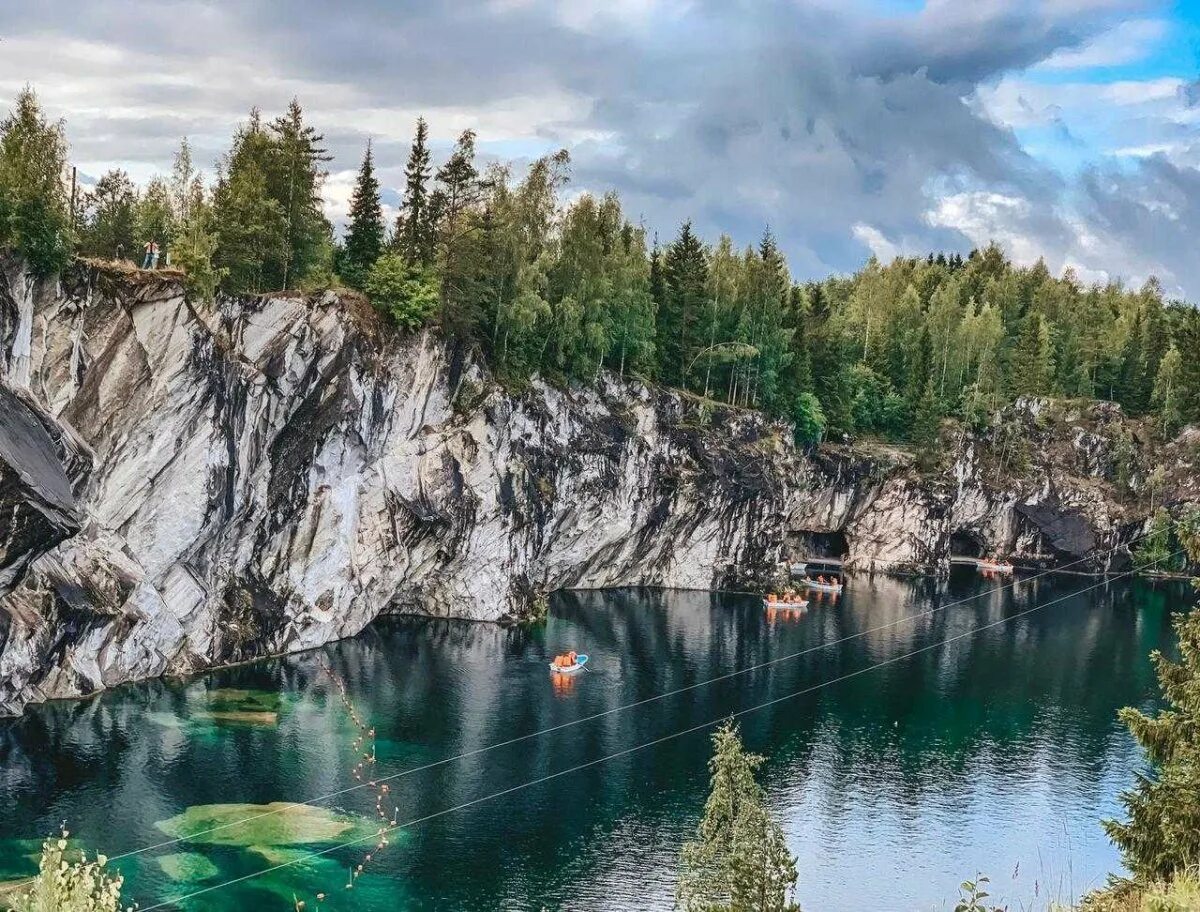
point(364, 236)
point(739, 860)
point(1162, 836)
point(414, 239)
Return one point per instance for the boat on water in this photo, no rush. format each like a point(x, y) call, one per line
point(819, 586)
point(990, 566)
point(569, 663)
point(778, 605)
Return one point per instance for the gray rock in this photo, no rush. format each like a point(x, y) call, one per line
point(190, 484)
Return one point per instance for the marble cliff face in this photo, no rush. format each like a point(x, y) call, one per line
point(186, 484)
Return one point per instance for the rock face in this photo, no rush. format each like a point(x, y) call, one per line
point(269, 474)
point(186, 484)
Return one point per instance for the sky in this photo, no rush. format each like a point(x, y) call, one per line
point(1063, 129)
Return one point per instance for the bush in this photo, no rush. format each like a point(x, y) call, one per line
point(408, 294)
point(69, 886)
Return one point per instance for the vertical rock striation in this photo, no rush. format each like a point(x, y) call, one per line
point(268, 474)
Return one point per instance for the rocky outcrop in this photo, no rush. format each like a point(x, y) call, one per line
point(271, 473)
point(1050, 484)
point(185, 484)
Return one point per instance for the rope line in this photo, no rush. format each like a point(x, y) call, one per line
point(616, 709)
point(643, 746)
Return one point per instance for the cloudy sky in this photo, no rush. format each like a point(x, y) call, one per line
point(1061, 128)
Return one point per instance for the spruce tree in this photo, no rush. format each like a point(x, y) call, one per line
point(1162, 835)
point(739, 860)
point(1188, 341)
point(294, 171)
point(685, 273)
point(414, 239)
point(364, 236)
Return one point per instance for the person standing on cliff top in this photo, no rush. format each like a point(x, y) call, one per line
point(151, 259)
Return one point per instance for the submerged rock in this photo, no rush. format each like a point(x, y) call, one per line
point(275, 824)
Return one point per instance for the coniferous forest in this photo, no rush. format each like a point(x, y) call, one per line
point(495, 257)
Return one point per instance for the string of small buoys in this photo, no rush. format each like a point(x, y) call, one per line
point(364, 772)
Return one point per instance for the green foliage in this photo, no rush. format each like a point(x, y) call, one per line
point(1162, 834)
point(34, 209)
point(566, 290)
point(66, 883)
point(1155, 550)
point(808, 419)
point(364, 236)
point(1168, 393)
point(108, 228)
point(971, 896)
point(414, 236)
point(194, 251)
point(739, 860)
point(926, 426)
point(1182, 894)
point(154, 217)
point(406, 293)
point(267, 209)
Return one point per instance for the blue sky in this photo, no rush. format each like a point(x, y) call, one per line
point(1065, 129)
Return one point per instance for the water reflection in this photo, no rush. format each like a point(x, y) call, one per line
point(983, 753)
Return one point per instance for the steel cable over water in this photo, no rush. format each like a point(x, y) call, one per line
point(616, 709)
point(647, 744)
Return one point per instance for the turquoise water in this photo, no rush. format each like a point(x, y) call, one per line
point(998, 752)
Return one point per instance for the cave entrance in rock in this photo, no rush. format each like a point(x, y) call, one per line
point(815, 546)
point(965, 543)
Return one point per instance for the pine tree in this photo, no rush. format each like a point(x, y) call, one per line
point(739, 860)
point(1188, 341)
point(685, 275)
point(154, 218)
point(34, 209)
point(414, 237)
point(1162, 835)
point(1032, 363)
point(364, 236)
point(926, 426)
point(294, 177)
point(453, 210)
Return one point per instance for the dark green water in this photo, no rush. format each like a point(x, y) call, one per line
point(998, 752)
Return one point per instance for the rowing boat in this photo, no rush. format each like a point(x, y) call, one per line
point(821, 587)
point(784, 606)
point(580, 661)
point(994, 567)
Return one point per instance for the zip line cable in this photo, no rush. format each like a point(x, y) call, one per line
point(616, 709)
point(647, 744)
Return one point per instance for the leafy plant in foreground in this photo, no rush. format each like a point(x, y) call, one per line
point(65, 885)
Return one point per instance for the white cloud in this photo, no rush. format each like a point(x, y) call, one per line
point(883, 249)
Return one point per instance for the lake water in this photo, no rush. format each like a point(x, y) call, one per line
point(996, 752)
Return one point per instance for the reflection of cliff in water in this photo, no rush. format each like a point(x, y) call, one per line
point(935, 754)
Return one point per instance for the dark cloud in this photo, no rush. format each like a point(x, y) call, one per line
point(839, 126)
point(1150, 214)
